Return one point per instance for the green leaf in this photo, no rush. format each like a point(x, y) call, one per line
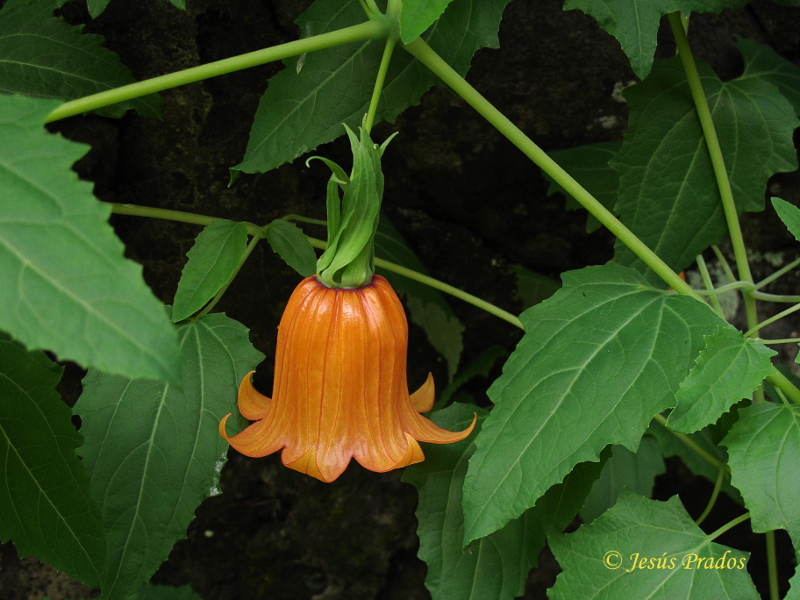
point(764, 445)
point(65, 283)
point(635, 22)
point(426, 305)
point(290, 243)
point(625, 469)
point(533, 288)
point(589, 166)
point(213, 260)
point(496, 566)
point(153, 451)
point(45, 506)
point(288, 121)
point(165, 592)
point(43, 56)
point(789, 214)
point(598, 359)
point(598, 559)
point(668, 193)
point(418, 15)
point(763, 63)
point(671, 445)
point(728, 369)
point(96, 7)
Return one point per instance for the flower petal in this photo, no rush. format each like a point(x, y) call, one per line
point(252, 404)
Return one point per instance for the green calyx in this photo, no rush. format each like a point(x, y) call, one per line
point(349, 259)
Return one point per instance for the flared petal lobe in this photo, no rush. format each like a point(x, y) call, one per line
point(340, 388)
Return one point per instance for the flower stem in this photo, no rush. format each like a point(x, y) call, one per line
point(369, 30)
point(376, 90)
point(439, 285)
point(257, 232)
point(419, 49)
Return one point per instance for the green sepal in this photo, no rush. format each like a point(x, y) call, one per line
point(349, 260)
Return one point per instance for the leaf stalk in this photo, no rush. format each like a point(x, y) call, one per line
point(425, 54)
point(369, 30)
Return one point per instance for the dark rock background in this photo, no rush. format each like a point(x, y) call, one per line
point(463, 197)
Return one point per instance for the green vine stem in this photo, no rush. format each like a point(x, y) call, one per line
point(370, 30)
point(782, 383)
point(727, 526)
point(782, 271)
point(723, 262)
point(172, 215)
point(772, 319)
point(701, 265)
point(689, 443)
point(772, 562)
point(713, 499)
point(780, 341)
point(256, 231)
point(775, 297)
point(420, 50)
point(717, 160)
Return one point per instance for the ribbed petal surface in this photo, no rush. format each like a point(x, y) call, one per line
point(340, 388)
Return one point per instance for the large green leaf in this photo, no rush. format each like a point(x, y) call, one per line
point(763, 63)
point(427, 306)
point(43, 56)
point(764, 445)
point(496, 566)
point(589, 166)
point(45, 506)
point(668, 194)
point(598, 359)
point(153, 451)
point(65, 285)
point(646, 549)
point(635, 471)
point(289, 122)
point(418, 15)
point(635, 22)
point(213, 260)
point(728, 369)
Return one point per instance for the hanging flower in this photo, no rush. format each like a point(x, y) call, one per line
point(340, 389)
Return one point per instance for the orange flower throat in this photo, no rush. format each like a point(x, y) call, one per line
point(340, 388)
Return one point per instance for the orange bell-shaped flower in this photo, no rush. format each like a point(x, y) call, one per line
point(340, 389)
